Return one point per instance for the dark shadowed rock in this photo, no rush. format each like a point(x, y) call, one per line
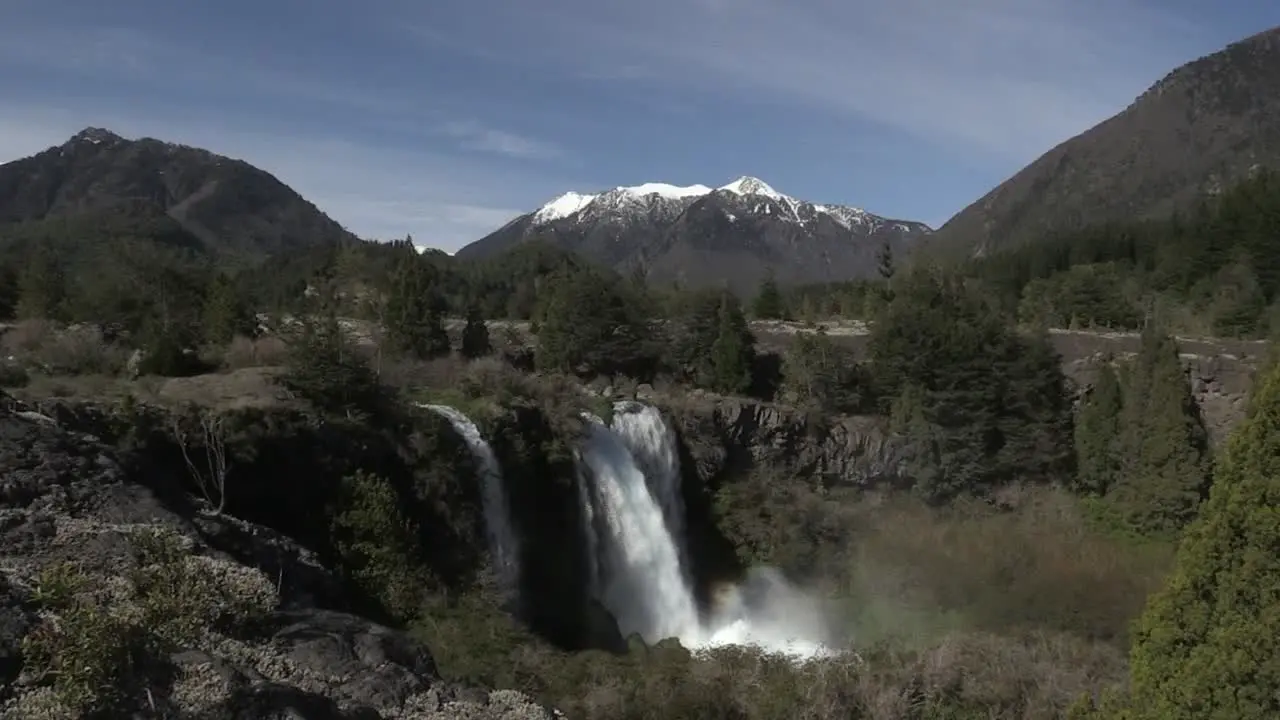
point(63, 497)
point(732, 433)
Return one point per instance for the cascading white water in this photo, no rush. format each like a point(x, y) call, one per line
point(497, 515)
point(635, 526)
point(640, 579)
point(653, 445)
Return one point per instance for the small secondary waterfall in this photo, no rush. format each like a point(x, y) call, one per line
point(497, 513)
point(629, 486)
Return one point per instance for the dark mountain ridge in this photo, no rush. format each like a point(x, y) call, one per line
point(228, 207)
point(1205, 126)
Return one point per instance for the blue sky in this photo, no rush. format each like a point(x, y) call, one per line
point(445, 118)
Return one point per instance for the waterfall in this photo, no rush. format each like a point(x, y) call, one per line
point(640, 579)
point(634, 526)
point(653, 445)
point(497, 515)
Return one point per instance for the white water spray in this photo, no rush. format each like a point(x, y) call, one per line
point(637, 533)
point(640, 579)
point(497, 515)
point(653, 445)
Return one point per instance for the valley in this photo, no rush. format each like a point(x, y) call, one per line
point(655, 451)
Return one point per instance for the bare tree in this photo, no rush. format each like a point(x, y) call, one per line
point(212, 480)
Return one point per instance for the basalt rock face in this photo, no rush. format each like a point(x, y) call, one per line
point(66, 498)
point(729, 436)
point(1220, 372)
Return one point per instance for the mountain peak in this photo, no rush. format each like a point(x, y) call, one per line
point(563, 206)
point(95, 136)
point(747, 185)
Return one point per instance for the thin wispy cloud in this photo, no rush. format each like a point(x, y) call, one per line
point(444, 119)
point(475, 136)
point(1004, 77)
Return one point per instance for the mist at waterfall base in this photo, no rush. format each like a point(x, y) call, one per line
point(629, 485)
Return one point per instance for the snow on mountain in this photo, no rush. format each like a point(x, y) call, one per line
point(733, 235)
point(562, 207)
point(573, 204)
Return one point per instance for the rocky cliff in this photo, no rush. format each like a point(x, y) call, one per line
point(116, 598)
point(728, 436)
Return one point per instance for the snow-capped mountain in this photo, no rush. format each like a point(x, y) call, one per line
point(736, 233)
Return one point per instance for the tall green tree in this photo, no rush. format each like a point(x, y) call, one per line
point(1163, 444)
point(324, 366)
point(886, 269)
point(1096, 433)
point(475, 336)
point(1208, 645)
point(768, 304)
point(224, 315)
point(414, 310)
point(993, 402)
point(733, 351)
point(42, 286)
point(8, 292)
point(588, 324)
point(818, 372)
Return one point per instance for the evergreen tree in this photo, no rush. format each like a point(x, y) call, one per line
point(768, 303)
point(42, 286)
point(324, 366)
point(475, 336)
point(224, 315)
point(588, 324)
point(414, 310)
point(1096, 432)
point(1208, 645)
point(816, 371)
point(994, 403)
point(8, 292)
point(1163, 444)
point(733, 351)
point(886, 269)
point(1034, 421)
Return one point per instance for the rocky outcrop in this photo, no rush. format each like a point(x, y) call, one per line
point(730, 435)
point(221, 621)
point(1220, 375)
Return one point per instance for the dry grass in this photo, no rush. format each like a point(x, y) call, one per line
point(1037, 566)
point(244, 352)
point(76, 350)
point(248, 387)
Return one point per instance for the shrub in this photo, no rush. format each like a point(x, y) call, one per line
point(377, 544)
point(13, 375)
point(244, 352)
point(77, 350)
point(99, 635)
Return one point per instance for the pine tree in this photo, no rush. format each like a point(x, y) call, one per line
point(588, 324)
point(1208, 645)
point(475, 336)
point(994, 403)
point(224, 314)
point(768, 302)
point(42, 287)
point(323, 365)
point(8, 293)
point(816, 371)
point(886, 269)
point(733, 351)
point(1096, 431)
point(414, 310)
point(1163, 444)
